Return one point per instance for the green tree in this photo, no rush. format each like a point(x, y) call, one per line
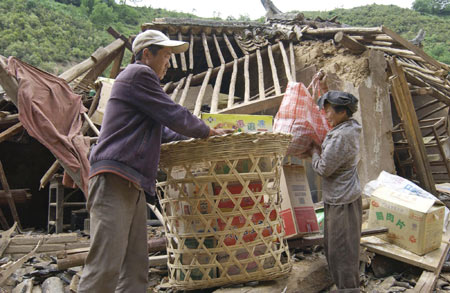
point(88, 4)
point(102, 15)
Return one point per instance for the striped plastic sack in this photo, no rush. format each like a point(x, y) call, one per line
point(300, 116)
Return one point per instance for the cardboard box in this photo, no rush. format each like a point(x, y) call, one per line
point(297, 208)
point(415, 223)
point(191, 190)
point(239, 123)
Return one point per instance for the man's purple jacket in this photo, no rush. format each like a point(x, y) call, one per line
point(138, 117)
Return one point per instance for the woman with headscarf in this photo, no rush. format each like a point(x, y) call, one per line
point(336, 162)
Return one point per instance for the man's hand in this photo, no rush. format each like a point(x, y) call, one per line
point(213, 132)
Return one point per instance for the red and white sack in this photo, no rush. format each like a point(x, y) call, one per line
point(300, 116)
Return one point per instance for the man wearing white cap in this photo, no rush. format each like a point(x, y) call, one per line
point(138, 117)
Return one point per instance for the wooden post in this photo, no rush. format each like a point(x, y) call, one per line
point(350, 43)
point(179, 86)
point(206, 48)
point(292, 55)
point(191, 52)
point(115, 70)
point(11, 131)
point(186, 89)
point(234, 73)
point(247, 78)
point(218, 83)
point(182, 55)
point(285, 61)
point(167, 85)
point(198, 103)
point(12, 205)
point(260, 74)
point(95, 58)
point(276, 83)
point(406, 111)
point(232, 84)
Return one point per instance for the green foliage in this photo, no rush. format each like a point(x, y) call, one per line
point(405, 22)
point(432, 6)
point(55, 35)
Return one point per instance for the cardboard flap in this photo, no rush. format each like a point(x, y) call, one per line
point(407, 200)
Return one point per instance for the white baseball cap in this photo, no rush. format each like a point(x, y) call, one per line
point(154, 37)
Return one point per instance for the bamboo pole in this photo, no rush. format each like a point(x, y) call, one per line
point(219, 52)
point(179, 86)
point(9, 198)
point(285, 61)
point(247, 79)
point(182, 55)
point(207, 54)
point(201, 94)
point(191, 52)
point(292, 55)
point(260, 74)
point(276, 82)
point(185, 90)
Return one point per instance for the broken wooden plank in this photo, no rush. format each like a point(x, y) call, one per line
point(91, 124)
point(292, 59)
point(201, 94)
point(285, 61)
point(276, 82)
point(260, 74)
point(167, 85)
point(405, 108)
point(350, 43)
point(158, 260)
point(429, 261)
point(9, 198)
point(6, 239)
point(418, 51)
point(47, 239)
point(9, 270)
point(254, 106)
point(11, 131)
point(310, 240)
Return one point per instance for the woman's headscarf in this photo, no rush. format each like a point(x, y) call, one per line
point(339, 98)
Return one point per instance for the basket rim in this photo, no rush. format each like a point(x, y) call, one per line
point(219, 138)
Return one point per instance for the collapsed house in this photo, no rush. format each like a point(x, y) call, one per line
point(244, 68)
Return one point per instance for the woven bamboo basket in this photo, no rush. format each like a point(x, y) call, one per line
point(221, 207)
